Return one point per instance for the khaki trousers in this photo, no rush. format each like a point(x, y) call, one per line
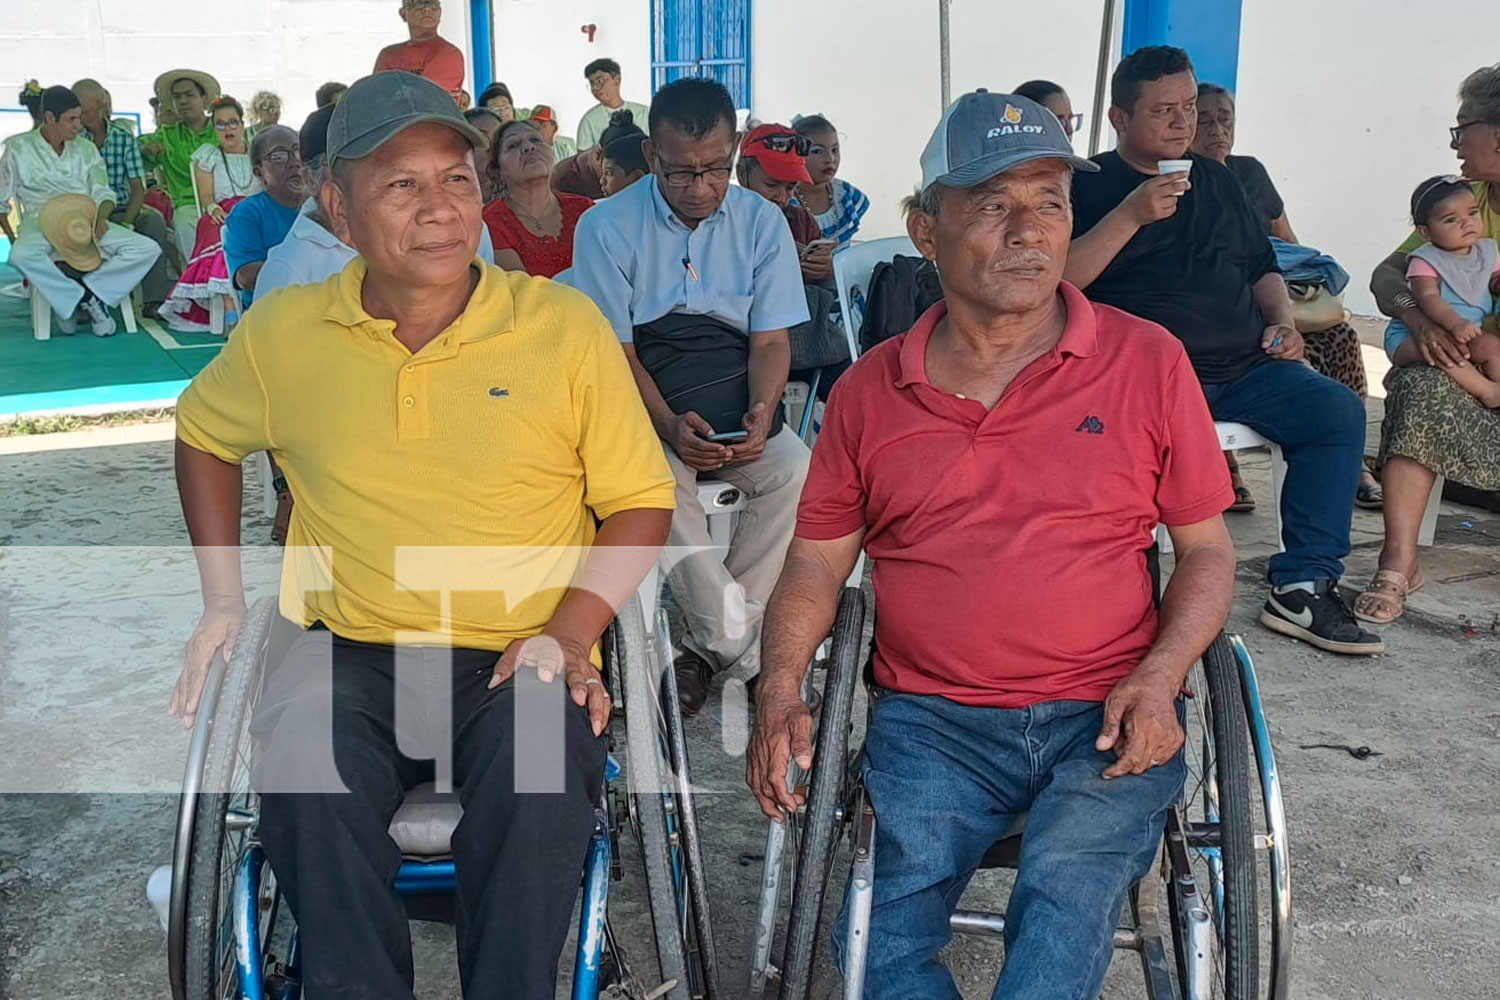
point(723, 601)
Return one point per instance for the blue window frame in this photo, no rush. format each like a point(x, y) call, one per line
point(702, 38)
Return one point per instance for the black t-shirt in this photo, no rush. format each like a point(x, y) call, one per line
point(1190, 273)
point(1265, 200)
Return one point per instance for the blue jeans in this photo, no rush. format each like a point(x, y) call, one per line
point(1320, 425)
point(945, 781)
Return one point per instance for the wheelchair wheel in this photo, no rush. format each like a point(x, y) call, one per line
point(1211, 858)
point(829, 802)
point(216, 825)
point(662, 812)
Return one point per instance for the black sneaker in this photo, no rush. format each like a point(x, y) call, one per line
point(1320, 618)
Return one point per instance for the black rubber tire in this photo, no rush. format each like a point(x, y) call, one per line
point(640, 677)
point(701, 948)
point(228, 717)
point(828, 795)
point(1230, 731)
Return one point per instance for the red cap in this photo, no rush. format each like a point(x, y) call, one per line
point(785, 165)
point(543, 113)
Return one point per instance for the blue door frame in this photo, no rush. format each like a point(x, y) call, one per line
point(1208, 29)
point(702, 38)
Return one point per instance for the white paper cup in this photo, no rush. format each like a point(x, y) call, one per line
point(1174, 167)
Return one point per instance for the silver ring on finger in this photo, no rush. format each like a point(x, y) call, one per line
point(590, 680)
point(1156, 763)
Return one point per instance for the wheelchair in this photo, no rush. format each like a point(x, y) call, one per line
point(230, 932)
point(1222, 868)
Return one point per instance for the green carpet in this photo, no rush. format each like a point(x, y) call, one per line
point(84, 372)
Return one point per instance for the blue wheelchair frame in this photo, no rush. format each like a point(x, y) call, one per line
point(421, 878)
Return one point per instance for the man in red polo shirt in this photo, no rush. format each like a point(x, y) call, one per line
point(1005, 464)
point(427, 53)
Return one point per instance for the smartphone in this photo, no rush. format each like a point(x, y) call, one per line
point(728, 437)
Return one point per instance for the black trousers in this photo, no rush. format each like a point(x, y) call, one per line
point(343, 729)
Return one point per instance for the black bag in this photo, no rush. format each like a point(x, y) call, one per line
point(700, 364)
point(820, 341)
point(899, 291)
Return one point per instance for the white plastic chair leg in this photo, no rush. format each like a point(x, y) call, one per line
point(1429, 517)
point(263, 467)
point(216, 315)
point(41, 316)
point(1278, 478)
point(127, 313)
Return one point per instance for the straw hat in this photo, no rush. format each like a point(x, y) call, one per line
point(163, 86)
point(67, 221)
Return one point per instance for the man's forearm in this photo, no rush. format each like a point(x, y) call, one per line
point(246, 275)
point(1194, 608)
point(625, 549)
point(662, 417)
point(800, 613)
point(1091, 253)
point(106, 209)
point(211, 494)
point(1271, 295)
point(770, 363)
point(133, 206)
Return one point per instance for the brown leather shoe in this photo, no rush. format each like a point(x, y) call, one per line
point(693, 677)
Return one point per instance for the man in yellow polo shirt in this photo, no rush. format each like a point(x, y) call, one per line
point(452, 433)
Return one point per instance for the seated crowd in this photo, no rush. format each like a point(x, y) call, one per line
point(1135, 295)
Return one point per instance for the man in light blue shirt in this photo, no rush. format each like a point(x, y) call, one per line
point(684, 265)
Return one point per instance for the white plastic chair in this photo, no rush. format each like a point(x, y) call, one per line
point(1430, 516)
point(852, 267)
point(1233, 437)
point(41, 315)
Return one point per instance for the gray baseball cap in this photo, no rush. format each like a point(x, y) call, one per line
point(983, 134)
point(379, 106)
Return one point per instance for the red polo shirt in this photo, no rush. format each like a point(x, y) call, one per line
point(1009, 546)
point(436, 58)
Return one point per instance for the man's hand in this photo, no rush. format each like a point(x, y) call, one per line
point(1284, 342)
point(1140, 723)
point(783, 733)
point(754, 446)
point(1438, 346)
point(689, 438)
point(214, 636)
point(1465, 332)
point(153, 149)
point(101, 225)
point(1156, 199)
point(817, 263)
point(550, 657)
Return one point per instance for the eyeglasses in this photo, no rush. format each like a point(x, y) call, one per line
point(424, 5)
point(1074, 122)
point(226, 126)
point(280, 156)
point(683, 179)
point(1456, 133)
point(785, 142)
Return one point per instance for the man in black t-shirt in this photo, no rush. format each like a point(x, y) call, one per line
point(1185, 250)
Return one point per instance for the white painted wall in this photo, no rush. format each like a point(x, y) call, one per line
point(287, 46)
point(540, 52)
point(1348, 117)
point(881, 88)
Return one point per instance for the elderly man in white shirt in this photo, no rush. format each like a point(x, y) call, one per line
point(312, 251)
point(50, 161)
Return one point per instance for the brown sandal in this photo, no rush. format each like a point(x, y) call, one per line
point(1384, 600)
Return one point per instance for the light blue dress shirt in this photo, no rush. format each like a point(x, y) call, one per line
point(639, 262)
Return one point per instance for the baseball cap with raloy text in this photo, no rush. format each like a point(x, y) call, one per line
point(380, 106)
point(982, 135)
point(779, 151)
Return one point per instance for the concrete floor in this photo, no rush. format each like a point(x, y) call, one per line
point(1397, 890)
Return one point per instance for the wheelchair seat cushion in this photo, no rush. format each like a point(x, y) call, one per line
point(423, 827)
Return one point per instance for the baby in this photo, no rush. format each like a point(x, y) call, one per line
point(1453, 278)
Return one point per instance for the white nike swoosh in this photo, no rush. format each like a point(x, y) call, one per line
point(1303, 617)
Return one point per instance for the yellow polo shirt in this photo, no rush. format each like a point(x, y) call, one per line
point(453, 490)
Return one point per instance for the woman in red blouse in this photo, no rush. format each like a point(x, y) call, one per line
point(530, 224)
